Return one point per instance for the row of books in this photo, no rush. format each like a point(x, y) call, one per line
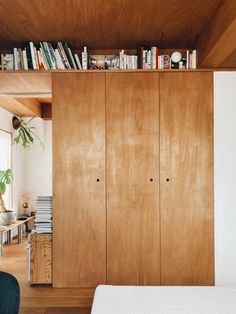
point(150, 59)
point(60, 56)
point(45, 57)
point(43, 214)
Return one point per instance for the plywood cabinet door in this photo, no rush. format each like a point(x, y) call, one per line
point(132, 133)
point(79, 219)
point(186, 179)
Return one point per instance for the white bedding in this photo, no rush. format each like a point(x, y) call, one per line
point(164, 300)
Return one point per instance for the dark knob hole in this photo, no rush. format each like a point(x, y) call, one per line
point(167, 179)
point(98, 180)
point(151, 179)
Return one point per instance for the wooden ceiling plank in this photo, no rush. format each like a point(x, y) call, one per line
point(103, 23)
point(218, 40)
point(21, 107)
point(32, 105)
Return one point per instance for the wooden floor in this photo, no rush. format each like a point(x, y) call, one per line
point(42, 299)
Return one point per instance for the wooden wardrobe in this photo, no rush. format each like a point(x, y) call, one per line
point(133, 178)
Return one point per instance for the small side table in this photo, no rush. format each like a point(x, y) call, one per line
point(8, 229)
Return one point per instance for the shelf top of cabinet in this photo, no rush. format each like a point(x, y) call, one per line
point(39, 82)
point(116, 71)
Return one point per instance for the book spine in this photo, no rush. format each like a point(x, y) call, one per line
point(33, 55)
point(63, 54)
point(44, 59)
point(153, 58)
point(72, 58)
point(25, 59)
point(52, 55)
point(166, 61)
point(194, 59)
point(18, 59)
point(144, 58)
point(47, 54)
point(161, 62)
point(66, 50)
point(85, 59)
point(15, 59)
point(59, 63)
point(36, 58)
point(140, 58)
point(132, 62)
point(190, 60)
point(21, 61)
point(29, 59)
point(156, 58)
point(187, 59)
point(122, 66)
point(41, 67)
point(78, 61)
point(149, 59)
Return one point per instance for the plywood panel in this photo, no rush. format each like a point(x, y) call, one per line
point(79, 253)
point(132, 117)
point(186, 179)
point(41, 258)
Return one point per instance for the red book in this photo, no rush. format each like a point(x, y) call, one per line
point(157, 58)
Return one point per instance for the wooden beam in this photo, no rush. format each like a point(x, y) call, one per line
point(46, 109)
point(35, 83)
point(25, 107)
point(32, 105)
point(217, 42)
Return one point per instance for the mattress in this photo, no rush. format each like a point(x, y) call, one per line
point(164, 300)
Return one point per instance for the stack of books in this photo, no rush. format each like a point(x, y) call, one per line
point(43, 215)
point(128, 62)
point(148, 59)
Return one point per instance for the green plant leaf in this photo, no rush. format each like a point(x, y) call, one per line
point(25, 134)
point(2, 187)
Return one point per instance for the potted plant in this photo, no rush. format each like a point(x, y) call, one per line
point(6, 216)
point(26, 135)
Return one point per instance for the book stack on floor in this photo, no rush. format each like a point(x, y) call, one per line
point(43, 215)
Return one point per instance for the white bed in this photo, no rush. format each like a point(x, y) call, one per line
point(164, 300)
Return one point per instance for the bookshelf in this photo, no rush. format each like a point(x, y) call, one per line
point(60, 56)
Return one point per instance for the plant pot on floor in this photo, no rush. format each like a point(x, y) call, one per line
point(7, 218)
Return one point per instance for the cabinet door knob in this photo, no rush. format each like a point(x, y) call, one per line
point(167, 179)
point(151, 179)
point(98, 180)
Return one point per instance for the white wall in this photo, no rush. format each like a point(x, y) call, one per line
point(38, 163)
point(32, 169)
point(225, 177)
point(18, 159)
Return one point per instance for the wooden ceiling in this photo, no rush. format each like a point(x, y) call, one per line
point(206, 25)
point(105, 23)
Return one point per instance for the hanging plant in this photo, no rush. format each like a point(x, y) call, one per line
point(26, 135)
